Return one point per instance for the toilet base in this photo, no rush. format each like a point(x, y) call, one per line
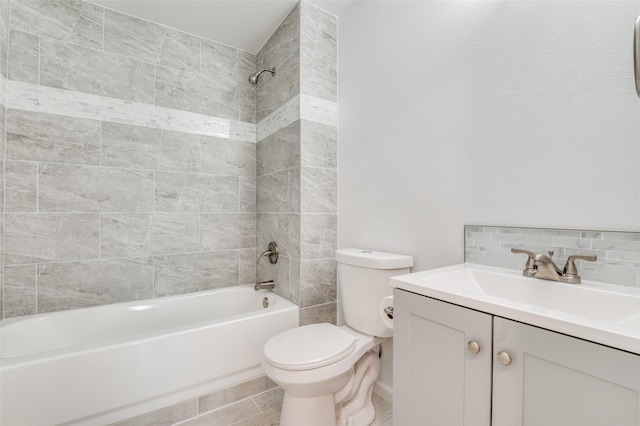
point(316, 411)
point(337, 394)
point(354, 405)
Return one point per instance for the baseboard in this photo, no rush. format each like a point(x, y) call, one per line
point(384, 391)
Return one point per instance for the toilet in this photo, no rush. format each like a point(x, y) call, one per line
point(328, 372)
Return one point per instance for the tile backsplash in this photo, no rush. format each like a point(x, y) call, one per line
point(618, 252)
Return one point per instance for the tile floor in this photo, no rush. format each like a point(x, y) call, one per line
point(256, 402)
point(384, 412)
point(269, 404)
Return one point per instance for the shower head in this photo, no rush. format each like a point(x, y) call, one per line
point(253, 78)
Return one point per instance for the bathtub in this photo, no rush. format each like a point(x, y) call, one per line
point(94, 366)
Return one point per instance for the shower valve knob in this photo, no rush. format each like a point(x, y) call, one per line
point(272, 253)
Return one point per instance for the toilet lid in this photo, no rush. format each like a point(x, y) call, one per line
point(309, 347)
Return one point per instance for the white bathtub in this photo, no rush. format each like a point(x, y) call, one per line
point(98, 365)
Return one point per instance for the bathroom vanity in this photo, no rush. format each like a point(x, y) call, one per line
point(476, 345)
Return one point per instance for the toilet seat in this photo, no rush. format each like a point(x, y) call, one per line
point(309, 347)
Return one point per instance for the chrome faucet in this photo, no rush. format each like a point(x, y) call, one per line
point(540, 265)
point(269, 285)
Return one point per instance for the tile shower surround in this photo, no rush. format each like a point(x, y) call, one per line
point(618, 252)
point(142, 182)
point(296, 164)
point(131, 210)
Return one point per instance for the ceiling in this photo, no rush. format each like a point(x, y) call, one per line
point(244, 24)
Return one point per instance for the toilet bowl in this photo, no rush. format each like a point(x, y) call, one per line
point(312, 364)
point(328, 372)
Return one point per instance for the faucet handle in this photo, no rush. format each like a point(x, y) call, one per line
point(272, 252)
point(520, 251)
point(529, 267)
point(570, 268)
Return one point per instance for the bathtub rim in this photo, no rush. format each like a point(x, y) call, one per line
point(8, 362)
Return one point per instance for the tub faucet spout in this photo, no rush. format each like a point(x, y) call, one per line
point(269, 285)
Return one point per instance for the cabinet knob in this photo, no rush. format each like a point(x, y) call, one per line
point(504, 358)
point(473, 347)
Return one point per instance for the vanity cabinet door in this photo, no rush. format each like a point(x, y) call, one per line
point(437, 379)
point(554, 379)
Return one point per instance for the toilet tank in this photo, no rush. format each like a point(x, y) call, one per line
point(363, 281)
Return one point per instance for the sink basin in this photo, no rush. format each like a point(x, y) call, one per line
point(584, 301)
point(599, 312)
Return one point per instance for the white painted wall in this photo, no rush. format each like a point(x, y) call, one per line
point(516, 113)
point(474, 112)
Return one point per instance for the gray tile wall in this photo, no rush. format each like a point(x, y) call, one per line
point(318, 167)
point(281, 51)
point(297, 166)
point(278, 156)
point(97, 211)
point(96, 177)
point(618, 252)
point(4, 41)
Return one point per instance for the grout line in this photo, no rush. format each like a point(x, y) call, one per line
point(100, 235)
point(36, 289)
point(200, 232)
point(148, 170)
point(200, 144)
point(145, 212)
point(155, 193)
point(100, 149)
point(39, 59)
point(138, 257)
point(153, 277)
point(37, 188)
point(318, 52)
point(155, 84)
point(252, 398)
point(104, 26)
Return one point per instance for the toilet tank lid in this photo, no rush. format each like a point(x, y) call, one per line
point(373, 259)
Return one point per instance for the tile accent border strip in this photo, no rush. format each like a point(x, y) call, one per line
point(31, 97)
point(318, 110)
point(618, 252)
point(278, 119)
point(302, 106)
